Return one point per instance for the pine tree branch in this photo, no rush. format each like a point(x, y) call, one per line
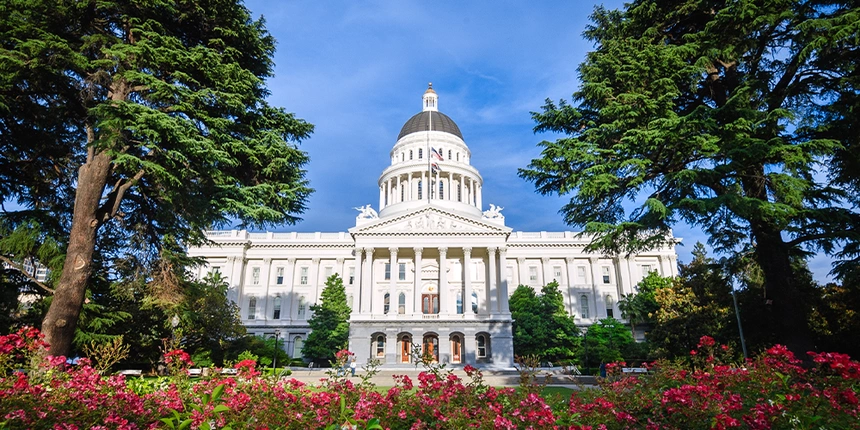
point(30, 277)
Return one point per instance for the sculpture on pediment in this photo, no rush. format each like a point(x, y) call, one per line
point(367, 212)
point(494, 212)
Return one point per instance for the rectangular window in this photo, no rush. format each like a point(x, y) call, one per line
point(556, 272)
point(509, 274)
point(304, 278)
point(387, 271)
point(276, 314)
point(252, 308)
point(419, 190)
point(402, 272)
point(605, 275)
point(215, 269)
point(302, 307)
point(255, 275)
point(580, 274)
point(351, 275)
point(280, 275)
point(328, 272)
point(646, 269)
point(475, 271)
point(583, 306)
point(533, 274)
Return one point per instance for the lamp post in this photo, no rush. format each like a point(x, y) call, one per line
point(174, 322)
point(740, 327)
point(275, 359)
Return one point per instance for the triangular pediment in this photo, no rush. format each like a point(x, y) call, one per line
point(429, 220)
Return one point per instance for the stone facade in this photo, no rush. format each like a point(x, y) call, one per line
point(430, 269)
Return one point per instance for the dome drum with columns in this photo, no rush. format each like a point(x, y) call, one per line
point(431, 268)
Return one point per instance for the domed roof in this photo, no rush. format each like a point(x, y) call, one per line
point(421, 122)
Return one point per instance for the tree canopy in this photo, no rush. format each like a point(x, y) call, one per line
point(541, 325)
point(738, 117)
point(129, 127)
point(329, 323)
point(641, 306)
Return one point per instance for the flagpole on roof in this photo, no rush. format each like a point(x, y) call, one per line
point(429, 188)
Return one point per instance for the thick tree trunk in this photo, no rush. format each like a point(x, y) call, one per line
point(788, 314)
point(62, 317)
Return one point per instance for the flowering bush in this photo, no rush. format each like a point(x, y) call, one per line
point(771, 391)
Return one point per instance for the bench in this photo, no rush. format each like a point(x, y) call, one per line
point(130, 372)
point(634, 370)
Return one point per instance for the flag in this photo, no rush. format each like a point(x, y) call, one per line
point(435, 167)
point(434, 152)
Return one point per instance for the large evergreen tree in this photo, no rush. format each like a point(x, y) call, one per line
point(329, 323)
point(128, 127)
point(720, 113)
point(541, 325)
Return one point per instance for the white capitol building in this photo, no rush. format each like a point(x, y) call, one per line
point(430, 268)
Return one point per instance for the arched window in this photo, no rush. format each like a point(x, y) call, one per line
point(458, 156)
point(430, 303)
point(387, 303)
point(431, 347)
point(583, 306)
point(410, 154)
point(402, 194)
point(298, 343)
point(402, 156)
point(481, 345)
point(252, 308)
point(449, 154)
point(276, 314)
point(379, 346)
point(401, 304)
point(456, 349)
point(419, 190)
point(459, 192)
point(474, 302)
point(441, 190)
point(302, 307)
point(459, 302)
point(610, 306)
point(420, 153)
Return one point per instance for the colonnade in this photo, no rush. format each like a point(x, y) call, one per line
point(495, 284)
point(404, 187)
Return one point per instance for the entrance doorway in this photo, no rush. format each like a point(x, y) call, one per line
point(405, 349)
point(431, 347)
point(456, 348)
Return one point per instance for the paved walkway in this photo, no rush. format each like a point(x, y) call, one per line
point(494, 378)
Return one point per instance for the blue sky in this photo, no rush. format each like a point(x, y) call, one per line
point(357, 71)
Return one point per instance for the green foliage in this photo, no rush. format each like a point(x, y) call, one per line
point(329, 323)
point(721, 115)
point(698, 304)
point(138, 124)
point(258, 348)
point(640, 307)
point(542, 328)
point(605, 342)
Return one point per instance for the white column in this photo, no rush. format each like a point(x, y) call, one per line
point(467, 282)
point(571, 300)
point(381, 197)
point(410, 188)
point(367, 282)
point(594, 289)
point(392, 286)
point(521, 270)
point(390, 182)
point(340, 269)
point(449, 189)
point(478, 203)
point(492, 290)
point(546, 271)
point(416, 298)
point(267, 268)
point(503, 281)
point(314, 279)
point(289, 272)
point(443, 281)
point(358, 293)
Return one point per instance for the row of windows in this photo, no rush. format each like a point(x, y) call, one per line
point(429, 303)
point(276, 305)
point(430, 347)
point(583, 306)
point(451, 154)
point(533, 271)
